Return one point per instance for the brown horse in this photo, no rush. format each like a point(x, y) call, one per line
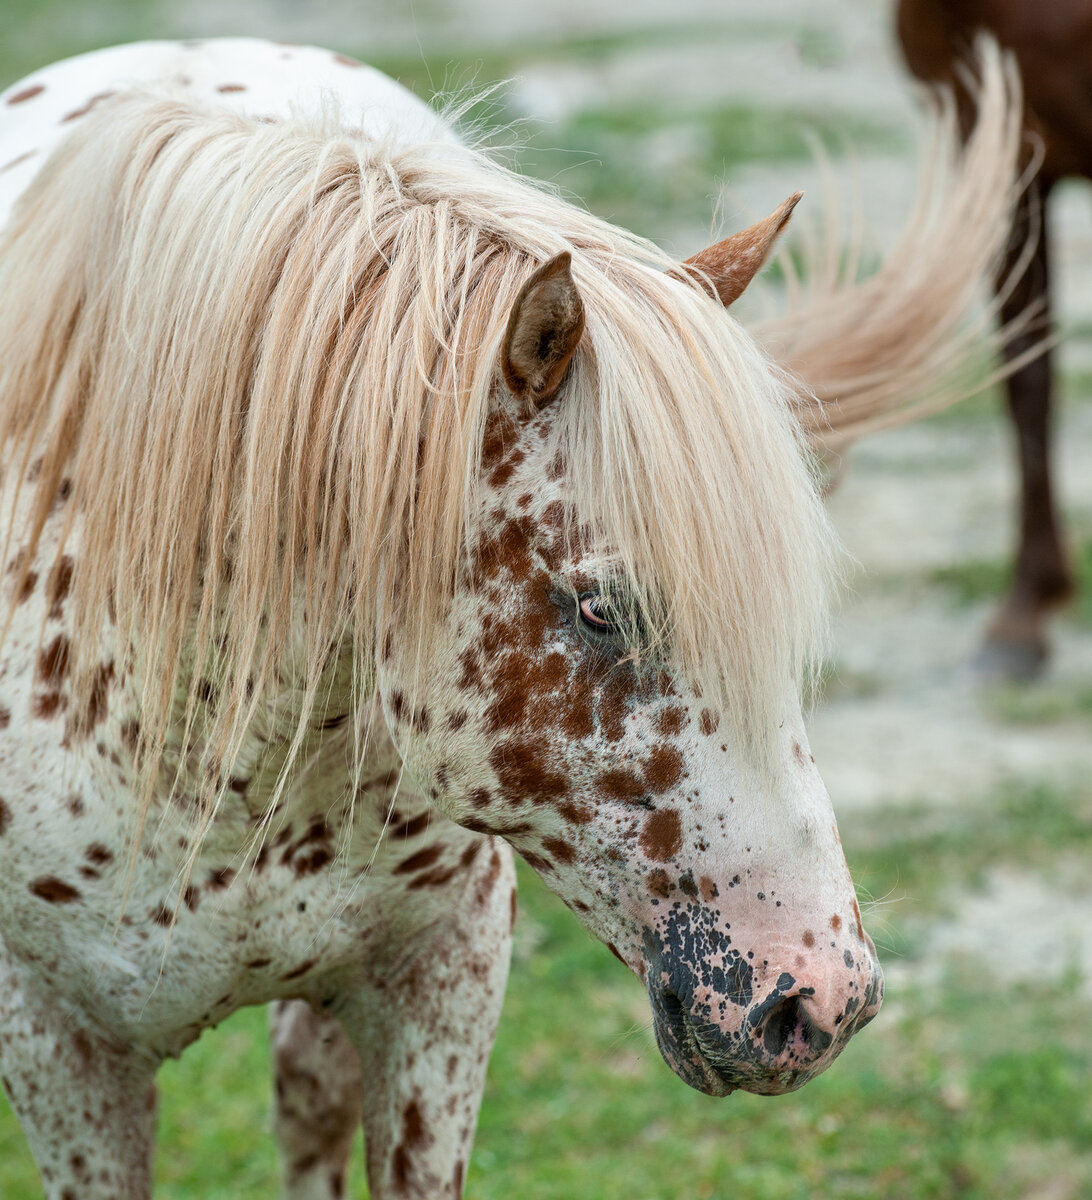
point(1052, 43)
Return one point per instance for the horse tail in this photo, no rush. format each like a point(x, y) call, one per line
point(915, 336)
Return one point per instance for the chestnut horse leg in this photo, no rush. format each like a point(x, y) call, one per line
point(1016, 643)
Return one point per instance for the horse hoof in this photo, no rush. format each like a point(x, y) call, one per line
point(1011, 661)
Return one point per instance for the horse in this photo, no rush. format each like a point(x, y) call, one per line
point(371, 513)
point(1051, 44)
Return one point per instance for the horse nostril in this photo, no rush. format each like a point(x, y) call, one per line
point(672, 1005)
point(783, 1022)
point(780, 1026)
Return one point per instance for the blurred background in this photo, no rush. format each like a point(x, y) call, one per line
point(965, 808)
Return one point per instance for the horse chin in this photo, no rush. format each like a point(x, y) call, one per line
point(682, 1053)
point(681, 1050)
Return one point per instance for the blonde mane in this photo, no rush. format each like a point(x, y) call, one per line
point(259, 357)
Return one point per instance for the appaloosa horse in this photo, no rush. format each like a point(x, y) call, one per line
point(370, 511)
point(1052, 43)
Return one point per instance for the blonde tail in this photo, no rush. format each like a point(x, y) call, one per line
point(911, 338)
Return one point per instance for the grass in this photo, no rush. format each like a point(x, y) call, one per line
point(967, 1090)
point(916, 855)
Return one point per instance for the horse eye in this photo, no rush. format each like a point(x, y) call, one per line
point(595, 612)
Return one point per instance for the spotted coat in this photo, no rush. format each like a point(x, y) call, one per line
point(387, 912)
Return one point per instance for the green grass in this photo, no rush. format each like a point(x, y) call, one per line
point(963, 1090)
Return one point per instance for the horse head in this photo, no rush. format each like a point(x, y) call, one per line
point(556, 712)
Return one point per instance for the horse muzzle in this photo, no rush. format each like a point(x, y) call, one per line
point(768, 1043)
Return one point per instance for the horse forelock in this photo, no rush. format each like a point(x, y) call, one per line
point(264, 356)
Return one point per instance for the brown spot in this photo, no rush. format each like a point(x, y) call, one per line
point(86, 108)
point(26, 590)
point(75, 805)
point(412, 826)
point(59, 585)
point(574, 813)
point(56, 891)
point(672, 720)
point(485, 885)
point(5, 716)
point(663, 768)
point(709, 890)
point(302, 969)
point(578, 720)
point(661, 835)
point(512, 903)
point(522, 775)
point(505, 469)
point(191, 897)
point(561, 850)
point(434, 878)
point(400, 1168)
point(616, 701)
point(808, 939)
point(256, 964)
point(14, 162)
point(5, 817)
point(709, 722)
point(161, 915)
point(413, 1126)
point(97, 697)
point(659, 883)
point(836, 922)
point(28, 93)
point(500, 430)
point(621, 783)
point(857, 918)
point(53, 660)
point(98, 854)
point(227, 88)
point(798, 754)
point(219, 878)
point(312, 862)
point(470, 853)
point(420, 860)
point(48, 704)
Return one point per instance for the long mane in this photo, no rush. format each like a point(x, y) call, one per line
point(258, 358)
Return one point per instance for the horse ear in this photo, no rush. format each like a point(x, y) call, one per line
point(544, 329)
point(731, 265)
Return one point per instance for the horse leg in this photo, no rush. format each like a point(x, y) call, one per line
point(318, 1104)
point(1016, 644)
point(424, 1027)
point(86, 1104)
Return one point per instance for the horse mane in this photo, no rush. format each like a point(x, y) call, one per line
point(259, 358)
